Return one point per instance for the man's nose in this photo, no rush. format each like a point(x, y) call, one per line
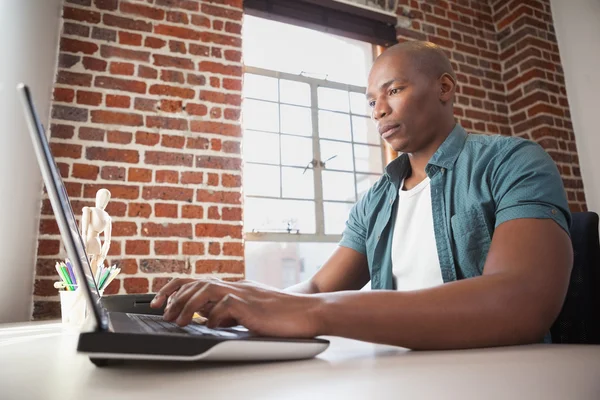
point(381, 109)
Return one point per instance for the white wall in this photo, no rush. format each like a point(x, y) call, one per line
point(29, 32)
point(577, 24)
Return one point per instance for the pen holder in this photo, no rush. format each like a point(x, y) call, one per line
point(72, 307)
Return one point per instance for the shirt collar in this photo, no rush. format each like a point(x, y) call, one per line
point(444, 157)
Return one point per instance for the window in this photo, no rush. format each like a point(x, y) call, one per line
point(310, 150)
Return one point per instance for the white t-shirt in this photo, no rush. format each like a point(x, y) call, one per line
point(415, 261)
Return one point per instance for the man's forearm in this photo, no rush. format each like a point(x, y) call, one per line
point(478, 312)
point(306, 287)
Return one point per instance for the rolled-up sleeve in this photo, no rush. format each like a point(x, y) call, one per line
point(527, 184)
point(355, 233)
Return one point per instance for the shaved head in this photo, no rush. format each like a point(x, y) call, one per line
point(426, 57)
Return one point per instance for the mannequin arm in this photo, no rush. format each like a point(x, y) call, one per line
point(107, 238)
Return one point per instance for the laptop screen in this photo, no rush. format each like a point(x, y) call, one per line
point(62, 209)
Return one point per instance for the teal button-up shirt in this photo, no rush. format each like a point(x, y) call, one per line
point(477, 183)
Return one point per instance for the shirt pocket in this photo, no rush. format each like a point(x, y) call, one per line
point(471, 241)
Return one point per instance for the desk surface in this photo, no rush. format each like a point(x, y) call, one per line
point(38, 361)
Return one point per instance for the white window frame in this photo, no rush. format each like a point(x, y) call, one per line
point(319, 235)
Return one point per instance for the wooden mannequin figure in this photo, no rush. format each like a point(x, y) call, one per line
point(94, 221)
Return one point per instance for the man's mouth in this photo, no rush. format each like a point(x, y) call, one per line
point(387, 130)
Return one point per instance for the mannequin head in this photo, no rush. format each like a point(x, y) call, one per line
point(102, 198)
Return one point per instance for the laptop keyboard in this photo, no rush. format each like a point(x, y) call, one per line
point(156, 324)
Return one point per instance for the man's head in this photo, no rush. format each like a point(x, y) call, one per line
point(411, 91)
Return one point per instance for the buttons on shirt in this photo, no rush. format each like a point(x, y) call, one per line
point(443, 170)
point(553, 211)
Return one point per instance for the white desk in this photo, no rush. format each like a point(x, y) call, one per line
point(38, 361)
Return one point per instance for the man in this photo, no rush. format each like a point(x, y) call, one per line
point(474, 228)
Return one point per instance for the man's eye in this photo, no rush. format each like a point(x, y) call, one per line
point(395, 90)
point(372, 103)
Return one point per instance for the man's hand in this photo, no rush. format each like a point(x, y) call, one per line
point(263, 310)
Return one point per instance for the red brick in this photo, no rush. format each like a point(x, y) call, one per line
point(215, 82)
point(89, 98)
point(63, 95)
point(141, 10)
point(147, 138)
point(163, 248)
point(168, 193)
point(177, 31)
point(44, 287)
point(135, 285)
point(131, 39)
point(210, 37)
point(215, 52)
point(196, 80)
point(172, 76)
point(145, 104)
point(119, 137)
point(176, 46)
point(223, 98)
point(137, 247)
point(166, 123)
point(197, 143)
point(48, 247)
point(213, 213)
point(215, 112)
point(167, 230)
point(70, 28)
point(164, 176)
point(139, 175)
point(232, 213)
point(64, 150)
point(194, 178)
point(62, 131)
point(196, 109)
point(73, 78)
point(231, 180)
point(169, 61)
point(191, 211)
point(214, 248)
point(235, 28)
point(233, 249)
point(48, 227)
point(77, 46)
point(86, 133)
point(199, 50)
point(166, 90)
point(211, 196)
point(221, 12)
point(85, 171)
point(113, 173)
point(67, 60)
point(158, 283)
point(193, 248)
point(173, 141)
point(107, 51)
point(126, 23)
point(217, 68)
point(94, 64)
point(107, 35)
point(219, 266)
point(114, 155)
point(109, 5)
point(116, 118)
point(201, 20)
point(168, 266)
point(177, 17)
point(126, 85)
point(165, 210)
point(143, 210)
point(544, 109)
point(117, 101)
point(218, 128)
point(154, 42)
point(213, 179)
point(78, 14)
point(232, 114)
point(216, 162)
point(191, 5)
point(216, 144)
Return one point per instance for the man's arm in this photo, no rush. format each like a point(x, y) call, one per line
point(515, 301)
point(346, 269)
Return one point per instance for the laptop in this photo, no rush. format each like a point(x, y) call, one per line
point(124, 327)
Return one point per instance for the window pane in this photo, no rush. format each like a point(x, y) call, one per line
point(284, 264)
point(294, 92)
point(359, 104)
point(336, 215)
point(365, 131)
point(272, 214)
point(261, 147)
point(336, 155)
point(368, 158)
point(296, 150)
point(333, 99)
point(334, 125)
point(338, 186)
point(364, 183)
point(296, 120)
point(298, 183)
point(261, 180)
point(260, 115)
point(260, 87)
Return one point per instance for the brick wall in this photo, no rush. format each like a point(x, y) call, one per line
point(146, 103)
point(509, 72)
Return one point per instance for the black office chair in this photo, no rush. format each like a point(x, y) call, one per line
point(579, 319)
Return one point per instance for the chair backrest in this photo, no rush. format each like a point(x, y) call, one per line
point(579, 319)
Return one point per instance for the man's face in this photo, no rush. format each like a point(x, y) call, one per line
point(404, 102)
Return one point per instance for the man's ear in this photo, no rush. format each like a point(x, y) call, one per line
point(447, 87)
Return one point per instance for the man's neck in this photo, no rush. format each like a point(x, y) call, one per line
point(418, 160)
